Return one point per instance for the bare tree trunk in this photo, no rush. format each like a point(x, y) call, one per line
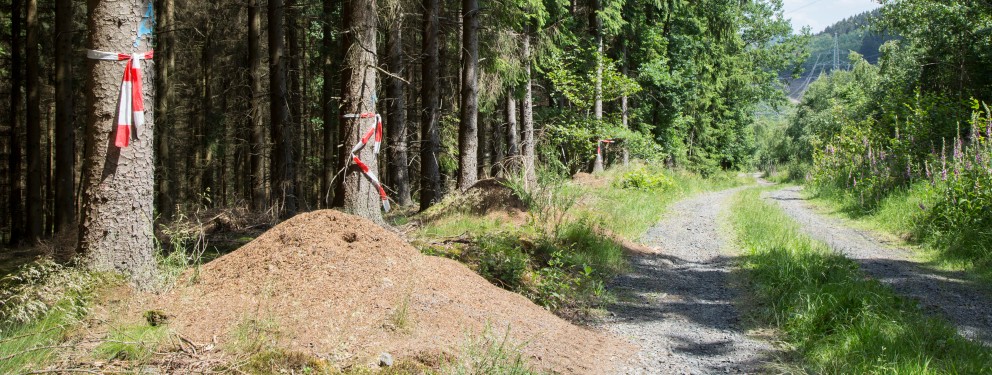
point(512, 129)
point(166, 165)
point(16, 213)
point(35, 202)
point(115, 232)
point(295, 96)
point(282, 169)
point(468, 142)
point(361, 197)
point(65, 145)
point(205, 126)
point(598, 21)
point(430, 146)
point(259, 200)
point(327, 106)
point(396, 123)
point(529, 146)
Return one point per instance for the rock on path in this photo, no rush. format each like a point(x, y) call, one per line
point(678, 305)
point(949, 294)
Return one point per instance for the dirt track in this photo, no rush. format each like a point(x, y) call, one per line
point(948, 294)
point(679, 305)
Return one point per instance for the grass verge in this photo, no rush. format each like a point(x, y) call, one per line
point(838, 320)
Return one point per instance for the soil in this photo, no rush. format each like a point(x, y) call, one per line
point(342, 288)
point(949, 294)
point(678, 302)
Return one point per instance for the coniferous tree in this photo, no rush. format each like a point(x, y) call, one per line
point(468, 142)
point(15, 193)
point(115, 230)
point(430, 141)
point(35, 203)
point(396, 121)
point(282, 168)
point(65, 137)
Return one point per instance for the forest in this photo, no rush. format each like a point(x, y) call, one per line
point(494, 187)
point(251, 100)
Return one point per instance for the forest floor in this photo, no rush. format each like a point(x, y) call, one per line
point(679, 304)
point(949, 294)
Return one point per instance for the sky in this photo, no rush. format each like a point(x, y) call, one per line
point(819, 14)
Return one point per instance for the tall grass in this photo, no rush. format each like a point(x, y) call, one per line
point(838, 320)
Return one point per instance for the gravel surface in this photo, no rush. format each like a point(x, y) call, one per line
point(678, 305)
point(949, 294)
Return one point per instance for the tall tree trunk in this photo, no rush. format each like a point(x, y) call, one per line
point(65, 137)
point(35, 202)
point(165, 163)
point(512, 129)
point(327, 105)
point(361, 197)
point(598, 22)
point(16, 214)
point(529, 154)
point(468, 142)
point(430, 144)
point(282, 169)
point(205, 127)
point(259, 200)
point(295, 96)
point(398, 173)
point(115, 232)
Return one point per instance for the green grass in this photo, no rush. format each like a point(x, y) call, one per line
point(629, 212)
point(134, 343)
point(28, 346)
point(899, 215)
point(838, 320)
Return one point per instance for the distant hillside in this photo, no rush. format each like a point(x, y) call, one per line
point(853, 34)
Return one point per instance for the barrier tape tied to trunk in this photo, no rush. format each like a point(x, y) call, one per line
point(376, 131)
point(130, 107)
point(599, 146)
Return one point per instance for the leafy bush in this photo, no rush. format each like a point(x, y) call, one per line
point(640, 179)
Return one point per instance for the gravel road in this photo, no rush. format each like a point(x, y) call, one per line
point(949, 294)
point(679, 305)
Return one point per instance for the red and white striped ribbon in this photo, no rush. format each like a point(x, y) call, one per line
point(376, 132)
point(131, 107)
point(599, 146)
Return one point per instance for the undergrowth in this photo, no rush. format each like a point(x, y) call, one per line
point(564, 253)
point(836, 318)
point(40, 305)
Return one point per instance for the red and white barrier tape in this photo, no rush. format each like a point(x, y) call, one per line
point(599, 146)
point(131, 107)
point(376, 131)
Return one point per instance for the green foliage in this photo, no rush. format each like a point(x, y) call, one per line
point(836, 318)
point(39, 305)
point(487, 353)
point(640, 179)
point(132, 343)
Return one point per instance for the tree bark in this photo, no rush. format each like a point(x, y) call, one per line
point(529, 146)
point(65, 136)
point(468, 142)
point(282, 169)
point(396, 122)
point(512, 129)
point(598, 21)
point(16, 214)
point(259, 200)
point(165, 165)
point(115, 232)
point(430, 146)
point(295, 96)
point(327, 109)
point(35, 202)
point(360, 195)
point(205, 127)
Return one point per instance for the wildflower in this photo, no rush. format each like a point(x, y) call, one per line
point(926, 168)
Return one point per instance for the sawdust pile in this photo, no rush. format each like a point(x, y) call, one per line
point(341, 288)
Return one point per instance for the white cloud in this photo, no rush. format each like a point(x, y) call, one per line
point(818, 14)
